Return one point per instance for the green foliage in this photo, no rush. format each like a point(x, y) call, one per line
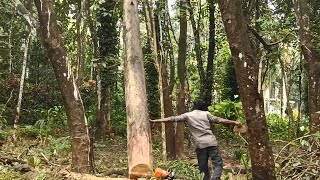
point(8, 173)
point(185, 170)
point(53, 120)
point(59, 146)
point(278, 127)
point(3, 121)
point(30, 131)
point(231, 90)
point(151, 81)
point(118, 111)
point(108, 16)
point(228, 109)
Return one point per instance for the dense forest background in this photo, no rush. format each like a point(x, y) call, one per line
point(80, 79)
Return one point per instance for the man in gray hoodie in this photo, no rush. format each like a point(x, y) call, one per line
point(206, 144)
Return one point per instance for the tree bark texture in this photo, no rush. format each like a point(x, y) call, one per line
point(138, 127)
point(211, 53)
point(197, 47)
point(27, 45)
point(10, 48)
point(79, 132)
point(182, 52)
point(160, 24)
point(301, 8)
point(81, 40)
point(153, 24)
point(247, 67)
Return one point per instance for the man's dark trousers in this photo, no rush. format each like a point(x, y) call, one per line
point(203, 156)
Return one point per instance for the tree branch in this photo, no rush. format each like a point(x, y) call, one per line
point(19, 7)
point(265, 44)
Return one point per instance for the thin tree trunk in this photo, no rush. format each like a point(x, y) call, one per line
point(153, 24)
point(211, 53)
point(10, 48)
point(98, 122)
point(301, 8)
point(107, 109)
point(286, 91)
point(138, 126)
point(94, 37)
point(197, 48)
point(247, 67)
point(27, 45)
point(168, 87)
point(78, 126)
point(179, 138)
point(81, 40)
point(300, 97)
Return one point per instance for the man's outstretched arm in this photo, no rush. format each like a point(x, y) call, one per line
point(179, 118)
point(227, 121)
point(168, 119)
point(216, 119)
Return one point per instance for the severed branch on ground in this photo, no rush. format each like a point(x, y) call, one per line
point(299, 159)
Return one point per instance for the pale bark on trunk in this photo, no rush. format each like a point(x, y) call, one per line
point(10, 48)
point(300, 97)
point(25, 13)
point(98, 123)
point(107, 112)
point(179, 137)
point(301, 8)
point(94, 37)
point(288, 109)
point(78, 126)
point(138, 126)
point(81, 40)
point(247, 67)
point(27, 45)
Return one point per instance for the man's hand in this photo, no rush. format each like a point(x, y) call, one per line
point(237, 123)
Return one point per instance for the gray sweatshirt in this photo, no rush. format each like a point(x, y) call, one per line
point(199, 123)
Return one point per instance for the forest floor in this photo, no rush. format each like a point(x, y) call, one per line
point(48, 157)
point(42, 157)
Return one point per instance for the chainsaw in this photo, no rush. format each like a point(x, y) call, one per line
point(163, 174)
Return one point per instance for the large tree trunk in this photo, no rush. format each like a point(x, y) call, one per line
point(179, 138)
point(247, 67)
point(27, 45)
point(78, 126)
point(301, 8)
point(138, 127)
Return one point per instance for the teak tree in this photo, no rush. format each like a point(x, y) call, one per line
point(301, 8)
point(78, 127)
point(182, 53)
point(247, 67)
point(138, 126)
